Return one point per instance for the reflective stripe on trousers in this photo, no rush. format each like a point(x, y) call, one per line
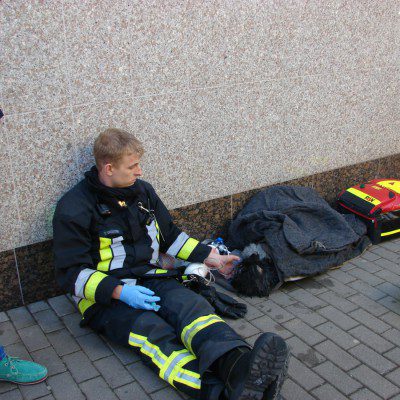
point(171, 368)
point(189, 332)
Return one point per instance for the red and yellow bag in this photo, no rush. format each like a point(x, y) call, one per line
point(377, 202)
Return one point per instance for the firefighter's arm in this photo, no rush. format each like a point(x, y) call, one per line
point(173, 241)
point(75, 272)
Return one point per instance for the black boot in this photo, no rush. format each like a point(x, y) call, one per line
point(273, 390)
point(258, 373)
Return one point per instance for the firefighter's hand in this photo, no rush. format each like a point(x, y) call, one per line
point(139, 297)
point(224, 264)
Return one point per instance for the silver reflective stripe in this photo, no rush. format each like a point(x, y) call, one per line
point(152, 231)
point(129, 282)
point(119, 254)
point(151, 272)
point(189, 378)
point(76, 299)
point(177, 245)
point(81, 280)
point(136, 341)
point(174, 362)
point(196, 327)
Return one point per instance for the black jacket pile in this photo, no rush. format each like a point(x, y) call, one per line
point(300, 232)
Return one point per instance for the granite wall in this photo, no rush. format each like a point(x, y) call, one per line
point(228, 97)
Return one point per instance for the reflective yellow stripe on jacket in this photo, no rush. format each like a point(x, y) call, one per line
point(182, 247)
point(86, 283)
point(112, 254)
point(84, 304)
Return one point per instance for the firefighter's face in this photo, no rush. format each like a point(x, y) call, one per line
point(126, 173)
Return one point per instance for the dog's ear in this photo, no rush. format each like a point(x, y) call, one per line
point(252, 259)
point(270, 274)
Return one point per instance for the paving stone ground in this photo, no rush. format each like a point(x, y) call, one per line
point(343, 328)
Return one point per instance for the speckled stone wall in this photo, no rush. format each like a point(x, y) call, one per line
point(227, 96)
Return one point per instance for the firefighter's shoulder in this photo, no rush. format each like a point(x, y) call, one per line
point(76, 201)
point(147, 187)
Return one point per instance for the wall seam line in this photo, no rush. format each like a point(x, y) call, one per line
point(19, 279)
point(191, 89)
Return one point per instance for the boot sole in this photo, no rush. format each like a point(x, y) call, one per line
point(25, 383)
point(273, 390)
point(269, 359)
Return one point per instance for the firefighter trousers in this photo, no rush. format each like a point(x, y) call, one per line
point(180, 342)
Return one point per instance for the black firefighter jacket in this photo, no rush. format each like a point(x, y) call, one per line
point(100, 240)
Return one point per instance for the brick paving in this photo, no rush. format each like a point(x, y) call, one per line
point(343, 328)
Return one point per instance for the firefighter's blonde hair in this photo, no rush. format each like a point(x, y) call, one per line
point(113, 144)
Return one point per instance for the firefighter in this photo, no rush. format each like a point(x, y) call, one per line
point(109, 230)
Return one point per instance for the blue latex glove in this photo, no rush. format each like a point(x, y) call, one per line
point(139, 297)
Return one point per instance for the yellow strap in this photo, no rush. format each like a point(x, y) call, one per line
point(161, 271)
point(187, 249)
point(364, 196)
point(106, 254)
point(392, 185)
point(105, 242)
point(92, 283)
point(84, 304)
point(390, 233)
point(104, 265)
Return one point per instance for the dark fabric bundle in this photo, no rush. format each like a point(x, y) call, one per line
point(303, 235)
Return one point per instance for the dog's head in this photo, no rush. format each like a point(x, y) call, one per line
point(251, 278)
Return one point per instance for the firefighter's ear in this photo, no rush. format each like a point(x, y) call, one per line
point(108, 169)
